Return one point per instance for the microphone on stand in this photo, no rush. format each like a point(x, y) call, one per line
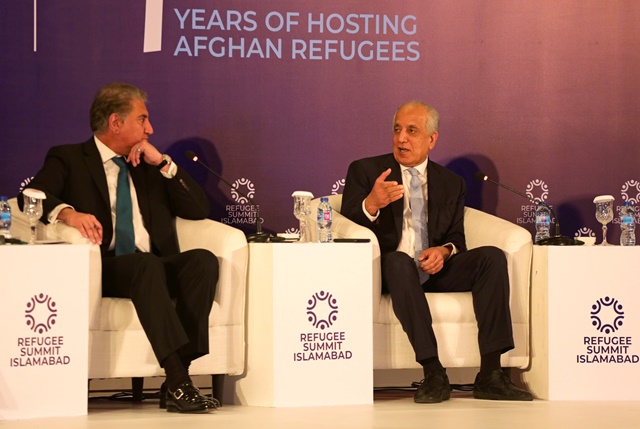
point(258, 236)
point(557, 239)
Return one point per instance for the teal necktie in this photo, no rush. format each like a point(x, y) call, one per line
point(419, 216)
point(125, 238)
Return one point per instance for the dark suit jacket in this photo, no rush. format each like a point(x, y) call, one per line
point(445, 206)
point(74, 174)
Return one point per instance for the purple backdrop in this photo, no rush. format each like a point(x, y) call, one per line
point(281, 95)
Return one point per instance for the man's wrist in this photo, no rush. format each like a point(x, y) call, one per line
point(449, 247)
point(166, 160)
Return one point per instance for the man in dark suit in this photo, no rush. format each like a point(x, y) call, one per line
point(120, 192)
point(416, 209)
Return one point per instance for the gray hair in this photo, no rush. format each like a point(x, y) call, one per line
point(113, 98)
point(433, 117)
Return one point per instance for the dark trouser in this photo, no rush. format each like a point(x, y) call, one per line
point(172, 296)
point(483, 271)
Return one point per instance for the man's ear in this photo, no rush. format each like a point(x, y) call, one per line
point(115, 123)
point(433, 138)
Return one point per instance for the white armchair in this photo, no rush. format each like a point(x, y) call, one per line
point(118, 347)
point(453, 317)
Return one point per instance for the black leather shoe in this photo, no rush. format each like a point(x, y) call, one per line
point(163, 398)
point(188, 399)
point(434, 388)
point(498, 386)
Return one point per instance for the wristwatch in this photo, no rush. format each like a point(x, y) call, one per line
point(166, 159)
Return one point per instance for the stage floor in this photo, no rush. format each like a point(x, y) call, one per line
point(391, 409)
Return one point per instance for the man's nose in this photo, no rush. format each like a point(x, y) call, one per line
point(148, 128)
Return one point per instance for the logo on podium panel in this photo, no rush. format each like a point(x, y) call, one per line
point(322, 310)
point(607, 315)
point(41, 313)
point(326, 345)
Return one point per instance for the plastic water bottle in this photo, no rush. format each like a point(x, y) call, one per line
point(5, 217)
point(543, 222)
point(627, 225)
point(325, 214)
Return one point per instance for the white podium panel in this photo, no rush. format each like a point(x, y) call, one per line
point(44, 341)
point(585, 323)
point(309, 325)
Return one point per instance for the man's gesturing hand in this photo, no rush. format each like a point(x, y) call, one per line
point(383, 193)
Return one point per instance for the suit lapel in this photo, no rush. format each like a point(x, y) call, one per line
point(139, 178)
point(93, 162)
point(397, 207)
point(435, 194)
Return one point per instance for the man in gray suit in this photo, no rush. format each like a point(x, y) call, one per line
point(416, 209)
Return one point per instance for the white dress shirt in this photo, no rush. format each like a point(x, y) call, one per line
point(408, 238)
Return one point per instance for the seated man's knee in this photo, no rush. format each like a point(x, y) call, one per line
point(147, 261)
point(206, 261)
point(493, 256)
point(399, 271)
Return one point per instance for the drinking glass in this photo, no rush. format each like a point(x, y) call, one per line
point(604, 214)
point(32, 208)
point(301, 210)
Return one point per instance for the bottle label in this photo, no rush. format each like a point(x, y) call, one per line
point(627, 220)
point(5, 217)
point(542, 219)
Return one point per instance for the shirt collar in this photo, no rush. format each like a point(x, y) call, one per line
point(422, 168)
point(105, 152)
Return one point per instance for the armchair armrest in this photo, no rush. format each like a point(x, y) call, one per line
point(483, 229)
point(230, 246)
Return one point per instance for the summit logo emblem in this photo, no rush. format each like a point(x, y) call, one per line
point(607, 315)
point(537, 190)
point(41, 313)
point(249, 190)
point(322, 310)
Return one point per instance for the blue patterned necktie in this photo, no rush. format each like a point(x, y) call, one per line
point(125, 238)
point(419, 216)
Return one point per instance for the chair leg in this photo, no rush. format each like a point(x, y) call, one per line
point(217, 386)
point(137, 384)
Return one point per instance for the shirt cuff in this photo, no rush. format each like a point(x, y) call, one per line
point(171, 172)
point(453, 248)
point(52, 217)
point(366, 213)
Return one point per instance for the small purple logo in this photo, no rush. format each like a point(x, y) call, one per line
point(607, 315)
point(41, 313)
point(322, 310)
